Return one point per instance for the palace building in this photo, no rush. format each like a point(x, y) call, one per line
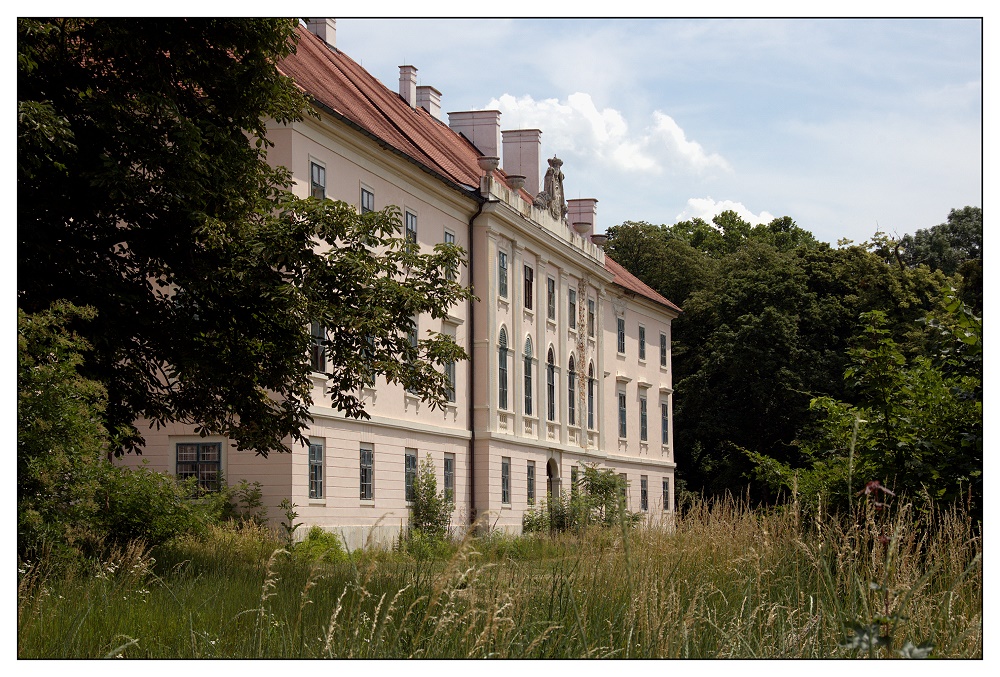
point(570, 357)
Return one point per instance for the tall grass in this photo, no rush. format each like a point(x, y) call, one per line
point(727, 581)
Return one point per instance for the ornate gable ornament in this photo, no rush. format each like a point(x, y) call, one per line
point(553, 196)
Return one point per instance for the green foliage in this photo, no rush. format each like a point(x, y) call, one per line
point(288, 525)
point(246, 503)
point(320, 545)
point(430, 514)
point(599, 499)
point(142, 153)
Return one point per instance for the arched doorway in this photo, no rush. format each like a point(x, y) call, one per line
point(552, 479)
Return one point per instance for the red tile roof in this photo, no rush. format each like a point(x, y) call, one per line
point(625, 279)
point(343, 87)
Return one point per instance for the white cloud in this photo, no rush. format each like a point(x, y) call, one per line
point(577, 127)
point(706, 208)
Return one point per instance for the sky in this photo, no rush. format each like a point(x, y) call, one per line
point(849, 126)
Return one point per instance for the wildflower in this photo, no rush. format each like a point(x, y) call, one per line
point(910, 651)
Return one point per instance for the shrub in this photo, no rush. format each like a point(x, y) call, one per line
point(320, 546)
point(431, 511)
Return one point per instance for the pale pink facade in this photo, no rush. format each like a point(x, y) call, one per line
point(490, 444)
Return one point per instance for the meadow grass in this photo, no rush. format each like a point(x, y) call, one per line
point(726, 581)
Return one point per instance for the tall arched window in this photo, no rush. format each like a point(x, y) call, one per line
point(527, 376)
point(502, 342)
point(571, 391)
point(591, 386)
point(550, 385)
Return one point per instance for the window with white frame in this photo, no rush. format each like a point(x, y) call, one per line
point(449, 477)
point(411, 227)
point(621, 335)
point(591, 309)
point(527, 376)
point(502, 274)
point(666, 494)
point(505, 480)
point(317, 347)
point(550, 386)
point(642, 342)
point(317, 180)
point(531, 482)
point(591, 387)
point(316, 469)
point(367, 200)
point(550, 285)
point(572, 309)
point(622, 416)
point(571, 392)
point(409, 472)
point(502, 370)
point(201, 460)
point(367, 472)
point(449, 372)
point(644, 493)
point(664, 422)
point(643, 428)
point(452, 271)
point(663, 349)
point(529, 287)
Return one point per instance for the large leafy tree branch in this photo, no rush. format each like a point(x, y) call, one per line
point(144, 192)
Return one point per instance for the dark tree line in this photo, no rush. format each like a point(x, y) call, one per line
point(770, 336)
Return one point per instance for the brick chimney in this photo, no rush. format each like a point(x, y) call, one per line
point(521, 153)
point(408, 84)
point(481, 127)
point(429, 99)
point(324, 29)
point(582, 210)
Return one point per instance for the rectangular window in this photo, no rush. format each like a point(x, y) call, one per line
point(644, 493)
point(664, 422)
point(317, 181)
point(202, 460)
point(367, 473)
point(529, 287)
point(449, 477)
point(666, 493)
point(316, 469)
point(531, 482)
point(622, 429)
point(367, 201)
point(452, 271)
point(551, 288)
point(449, 372)
point(642, 342)
point(590, 318)
point(590, 399)
point(643, 430)
point(409, 472)
point(502, 274)
point(572, 308)
point(411, 227)
point(663, 349)
point(574, 477)
point(317, 349)
point(621, 335)
point(550, 390)
point(505, 480)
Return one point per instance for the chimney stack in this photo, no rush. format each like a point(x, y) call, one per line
point(408, 84)
point(521, 153)
point(583, 210)
point(429, 99)
point(324, 29)
point(481, 127)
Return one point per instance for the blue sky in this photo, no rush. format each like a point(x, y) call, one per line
point(847, 125)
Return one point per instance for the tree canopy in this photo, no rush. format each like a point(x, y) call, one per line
point(775, 321)
point(144, 193)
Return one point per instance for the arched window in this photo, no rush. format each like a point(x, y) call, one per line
point(527, 376)
point(591, 386)
point(550, 385)
point(571, 391)
point(503, 369)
